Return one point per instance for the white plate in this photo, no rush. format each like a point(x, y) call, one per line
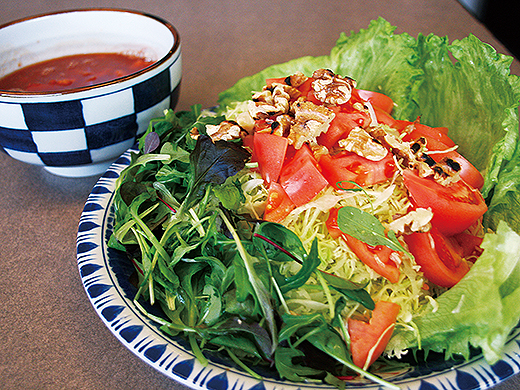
point(105, 275)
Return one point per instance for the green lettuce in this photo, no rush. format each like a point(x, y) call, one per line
point(467, 87)
point(381, 61)
point(475, 97)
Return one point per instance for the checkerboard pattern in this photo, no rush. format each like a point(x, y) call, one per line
point(78, 132)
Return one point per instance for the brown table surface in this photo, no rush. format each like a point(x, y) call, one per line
point(50, 336)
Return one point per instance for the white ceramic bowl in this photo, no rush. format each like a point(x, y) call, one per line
point(80, 132)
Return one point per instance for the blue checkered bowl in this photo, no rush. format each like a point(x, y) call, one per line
point(80, 132)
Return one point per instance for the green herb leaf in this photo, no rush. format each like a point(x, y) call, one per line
point(230, 195)
point(360, 295)
point(213, 163)
point(253, 331)
point(367, 228)
point(237, 342)
point(315, 329)
point(284, 361)
point(309, 266)
point(261, 291)
point(151, 142)
point(278, 243)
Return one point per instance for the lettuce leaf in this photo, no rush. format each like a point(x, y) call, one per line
point(467, 87)
point(474, 95)
point(244, 87)
point(469, 314)
point(381, 61)
point(505, 201)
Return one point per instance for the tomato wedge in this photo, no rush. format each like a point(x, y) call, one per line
point(368, 340)
point(440, 257)
point(341, 126)
point(279, 205)
point(468, 172)
point(269, 151)
point(375, 257)
point(304, 153)
point(455, 207)
point(385, 118)
point(470, 245)
point(301, 178)
point(432, 134)
point(347, 166)
point(377, 99)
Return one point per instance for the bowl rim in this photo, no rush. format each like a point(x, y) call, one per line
point(174, 49)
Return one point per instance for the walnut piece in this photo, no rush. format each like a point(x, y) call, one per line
point(415, 155)
point(226, 131)
point(296, 79)
point(272, 100)
point(310, 120)
point(280, 126)
point(330, 88)
point(360, 142)
point(415, 221)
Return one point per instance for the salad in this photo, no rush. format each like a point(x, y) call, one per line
point(325, 220)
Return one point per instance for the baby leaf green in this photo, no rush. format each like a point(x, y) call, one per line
point(212, 163)
point(367, 228)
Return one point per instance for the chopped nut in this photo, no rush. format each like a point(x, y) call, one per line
point(276, 128)
point(414, 155)
point(452, 164)
point(226, 131)
point(310, 120)
point(427, 159)
point(285, 122)
point(292, 91)
point(423, 169)
point(417, 220)
point(362, 143)
point(273, 100)
point(444, 177)
point(443, 172)
point(318, 151)
point(194, 133)
point(389, 138)
point(330, 88)
point(296, 79)
point(280, 126)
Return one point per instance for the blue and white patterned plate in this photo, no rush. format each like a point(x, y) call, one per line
point(105, 275)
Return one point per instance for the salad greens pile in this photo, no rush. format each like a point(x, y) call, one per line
point(215, 270)
point(212, 272)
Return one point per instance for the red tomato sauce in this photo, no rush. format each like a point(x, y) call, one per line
point(74, 71)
